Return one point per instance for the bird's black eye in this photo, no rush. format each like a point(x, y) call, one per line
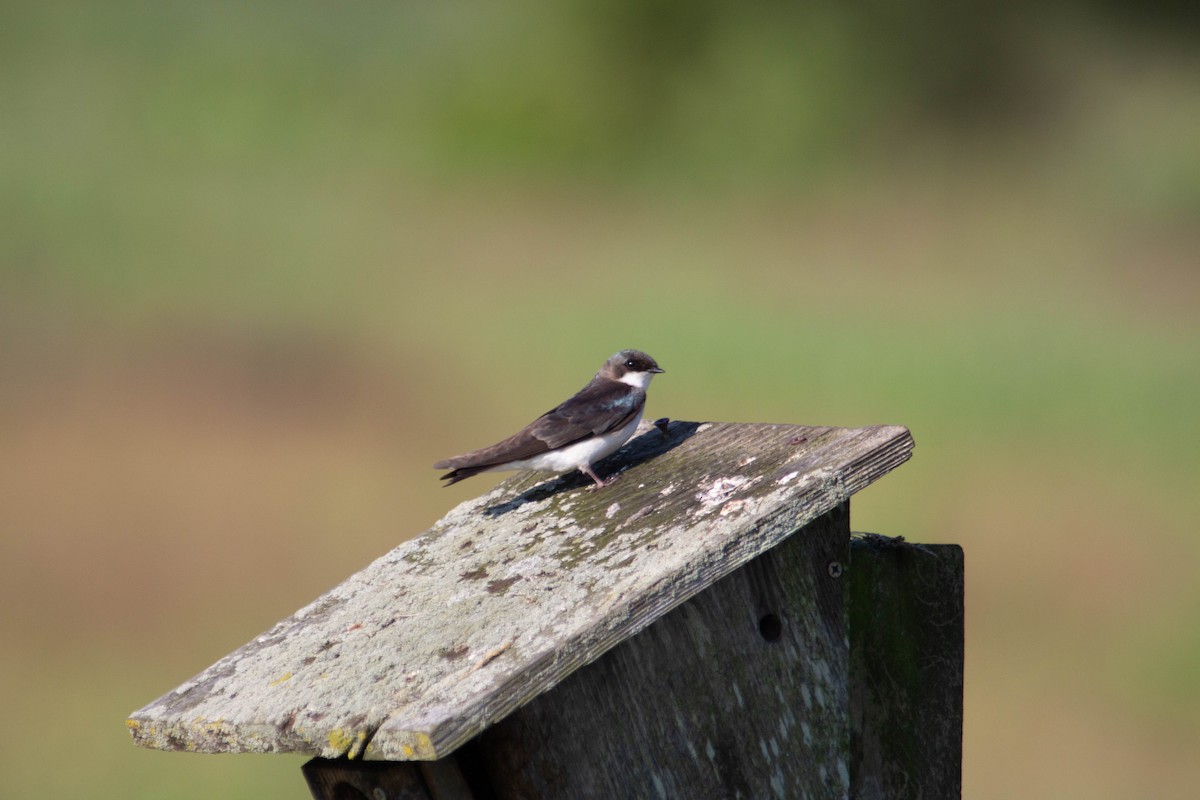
point(630, 363)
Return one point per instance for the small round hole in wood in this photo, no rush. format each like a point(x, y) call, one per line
point(771, 627)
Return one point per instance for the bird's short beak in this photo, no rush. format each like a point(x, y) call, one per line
point(657, 370)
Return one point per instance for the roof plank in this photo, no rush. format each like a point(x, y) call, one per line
point(512, 591)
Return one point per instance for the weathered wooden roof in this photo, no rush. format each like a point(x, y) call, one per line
point(512, 591)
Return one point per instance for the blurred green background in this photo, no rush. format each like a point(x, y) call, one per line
point(261, 265)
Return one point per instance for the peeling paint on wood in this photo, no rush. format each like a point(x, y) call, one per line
point(511, 592)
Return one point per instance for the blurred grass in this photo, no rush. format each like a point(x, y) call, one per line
point(260, 266)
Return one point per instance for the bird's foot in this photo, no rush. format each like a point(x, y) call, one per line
point(599, 483)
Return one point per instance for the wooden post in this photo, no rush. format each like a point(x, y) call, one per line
point(685, 632)
point(905, 603)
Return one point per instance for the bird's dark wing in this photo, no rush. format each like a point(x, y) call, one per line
point(600, 407)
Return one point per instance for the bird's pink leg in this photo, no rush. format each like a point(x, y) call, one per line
point(586, 469)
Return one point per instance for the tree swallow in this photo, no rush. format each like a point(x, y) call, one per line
point(576, 434)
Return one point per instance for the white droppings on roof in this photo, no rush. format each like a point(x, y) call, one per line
point(721, 490)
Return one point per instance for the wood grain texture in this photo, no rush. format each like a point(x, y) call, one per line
point(905, 605)
point(739, 692)
point(513, 591)
point(359, 780)
point(344, 779)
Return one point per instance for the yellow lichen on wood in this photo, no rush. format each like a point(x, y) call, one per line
point(340, 741)
point(360, 743)
point(343, 742)
point(416, 747)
